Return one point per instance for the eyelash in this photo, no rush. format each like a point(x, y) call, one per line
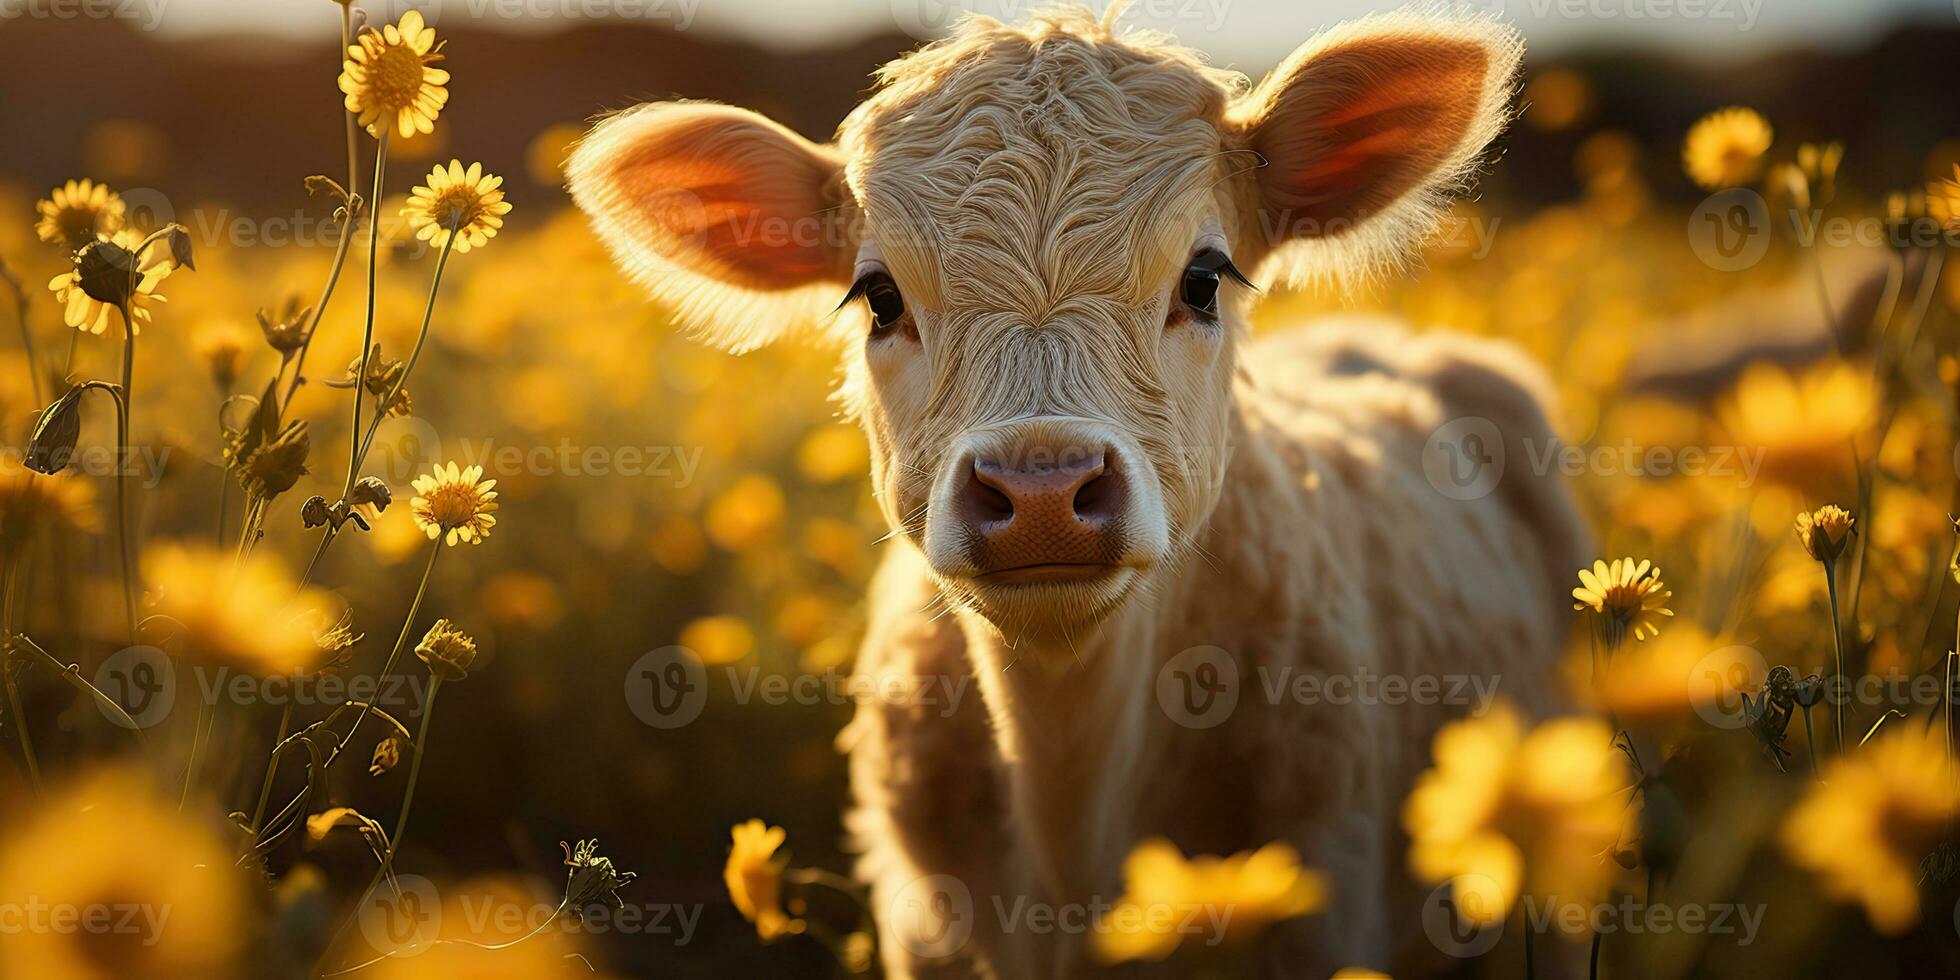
point(877, 289)
point(1206, 273)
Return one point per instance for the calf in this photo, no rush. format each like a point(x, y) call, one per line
point(1137, 528)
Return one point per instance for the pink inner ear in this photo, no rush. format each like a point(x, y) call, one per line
point(1362, 125)
point(747, 207)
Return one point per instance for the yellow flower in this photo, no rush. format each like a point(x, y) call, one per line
point(249, 613)
point(718, 639)
point(221, 345)
point(466, 204)
point(1824, 531)
point(1629, 595)
point(1803, 425)
point(77, 212)
point(755, 879)
point(1247, 891)
point(746, 513)
point(112, 845)
point(832, 453)
point(1725, 148)
point(455, 504)
point(85, 312)
point(1505, 811)
point(1943, 200)
point(388, 81)
point(448, 651)
point(1685, 671)
point(1865, 829)
point(29, 500)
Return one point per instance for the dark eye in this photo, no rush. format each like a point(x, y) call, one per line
point(881, 296)
point(1199, 290)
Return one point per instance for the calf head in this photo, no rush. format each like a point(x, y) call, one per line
point(1036, 233)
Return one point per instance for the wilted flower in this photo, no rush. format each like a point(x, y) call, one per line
point(272, 467)
point(248, 613)
point(1506, 811)
point(1725, 148)
point(591, 877)
point(383, 374)
point(1628, 595)
point(371, 496)
point(1825, 531)
point(447, 651)
point(387, 755)
point(388, 81)
point(467, 204)
point(286, 330)
point(221, 346)
point(52, 446)
point(754, 876)
point(314, 512)
point(319, 825)
point(1161, 890)
point(101, 281)
point(1877, 813)
point(455, 504)
point(77, 213)
point(114, 841)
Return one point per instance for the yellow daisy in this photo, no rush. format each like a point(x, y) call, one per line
point(1509, 811)
point(29, 500)
point(245, 613)
point(1726, 148)
point(1866, 827)
point(388, 81)
point(754, 876)
point(448, 651)
point(85, 312)
point(1824, 531)
point(455, 504)
point(75, 213)
point(1161, 888)
point(468, 204)
point(1629, 595)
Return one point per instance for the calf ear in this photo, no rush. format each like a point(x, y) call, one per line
point(1365, 134)
point(743, 226)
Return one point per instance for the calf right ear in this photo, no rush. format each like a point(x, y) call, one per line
point(743, 226)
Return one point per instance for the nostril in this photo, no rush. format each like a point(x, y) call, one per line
point(986, 499)
point(1095, 498)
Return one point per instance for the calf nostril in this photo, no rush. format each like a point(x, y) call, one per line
point(1096, 498)
point(987, 500)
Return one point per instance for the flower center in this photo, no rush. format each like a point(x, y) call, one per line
point(395, 77)
point(457, 207)
point(454, 505)
point(76, 224)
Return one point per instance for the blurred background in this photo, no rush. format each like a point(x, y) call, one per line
point(745, 533)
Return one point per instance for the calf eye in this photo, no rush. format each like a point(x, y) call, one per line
point(1199, 290)
point(881, 296)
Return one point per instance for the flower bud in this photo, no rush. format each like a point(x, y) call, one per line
point(52, 446)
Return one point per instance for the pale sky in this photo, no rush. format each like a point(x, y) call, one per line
point(1249, 33)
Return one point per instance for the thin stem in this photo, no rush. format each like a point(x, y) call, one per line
point(14, 711)
point(73, 676)
point(123, 402)
point(401, 821)
point(346, 230)
point(326, 538)
point(1839, 701)
point(367, 334)
point(401, 643)
point(428, 314)
point(272, 765)
point(26, 335)
point(1810, 744)
point(205, 722)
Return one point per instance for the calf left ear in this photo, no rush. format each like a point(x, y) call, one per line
point(740, 224)
point(1366, 131)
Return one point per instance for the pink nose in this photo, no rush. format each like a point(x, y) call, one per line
point(1044, 515)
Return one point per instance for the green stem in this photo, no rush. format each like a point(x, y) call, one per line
point(401, 821)
point(428, 314)
point(1841, 701)
point(26, 335)
point(205, 722)
point(272, 765)
point(123, 401)
point(401, 643)
point(73, 675)
point(346, 231)
point(367, 334)
point(326, 538)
